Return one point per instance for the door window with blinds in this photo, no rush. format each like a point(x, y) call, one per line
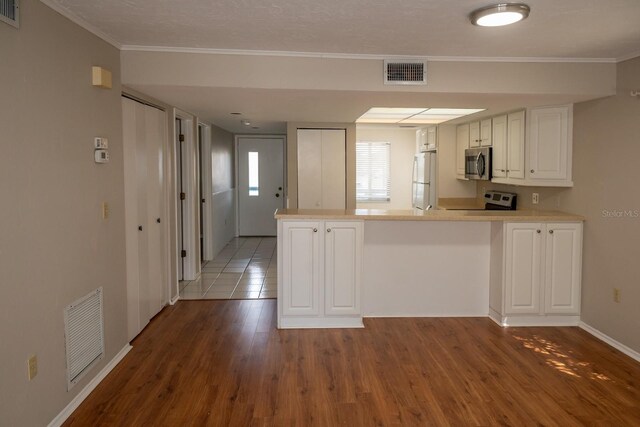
point(373, 182)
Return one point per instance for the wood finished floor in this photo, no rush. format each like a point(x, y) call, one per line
point(223, 363)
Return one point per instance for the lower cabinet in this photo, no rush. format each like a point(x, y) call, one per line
point(320, 273)
point(535, 275)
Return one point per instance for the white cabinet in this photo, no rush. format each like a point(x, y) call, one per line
point(549, 145)
point(462, 143)
point(321, 168)
point(485, 133)
point(515, 145)
point(320, 273)
point(474, 134)
point(499, 151)
point(480, 133)
point(426, 139)
point(535, 275)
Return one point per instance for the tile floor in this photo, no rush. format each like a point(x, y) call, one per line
point(245, 269)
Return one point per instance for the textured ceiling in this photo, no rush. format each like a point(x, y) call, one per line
point(555, 28)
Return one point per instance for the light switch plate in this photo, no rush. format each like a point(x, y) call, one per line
point(100, 143)
point(105, 210)
point(32, 367)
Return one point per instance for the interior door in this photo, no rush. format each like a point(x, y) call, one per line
point(260, 184)
point(333, 169)
point(179, 138)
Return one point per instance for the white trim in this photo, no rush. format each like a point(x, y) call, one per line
point(82, 22)
point(607, 339)
point(175, 299)
point(322, 55)
point(320, 322)
point(205, 174)
point(91, 385)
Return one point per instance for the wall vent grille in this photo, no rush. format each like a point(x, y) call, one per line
point(84, 335)
point(405, 72)
point(10, 12)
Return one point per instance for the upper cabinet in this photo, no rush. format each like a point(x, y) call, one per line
point(462, 143)
point(426, 139)
point(549, 145)
point(531, 148)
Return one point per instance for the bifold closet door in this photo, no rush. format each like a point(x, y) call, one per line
point(143, 139)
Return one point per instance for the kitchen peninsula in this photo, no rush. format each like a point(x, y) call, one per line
point(519, 267)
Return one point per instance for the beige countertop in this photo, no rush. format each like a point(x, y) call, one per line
point(460, 203)
point(431, 215)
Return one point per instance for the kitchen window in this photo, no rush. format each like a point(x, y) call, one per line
point(373, 182)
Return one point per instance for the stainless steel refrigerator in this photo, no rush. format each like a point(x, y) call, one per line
point(424, 180)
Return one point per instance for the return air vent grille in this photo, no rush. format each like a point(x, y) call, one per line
point(405, 72)
point(9, 12)
point(84, 335)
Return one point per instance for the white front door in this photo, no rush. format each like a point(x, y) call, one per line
point(260, 184)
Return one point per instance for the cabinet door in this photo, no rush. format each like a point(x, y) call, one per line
point(431, 137)
point(563, 268)
point(309, 168)
point(515, 145)
point(302, 258)
point(548, 142)
point(499, 151)
point(474, 134)
point(523, 265)
point(343, 267)
point(333, 169)
point(485, 133)
point(462, 143)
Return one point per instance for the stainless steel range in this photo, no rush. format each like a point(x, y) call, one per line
point(499, 201)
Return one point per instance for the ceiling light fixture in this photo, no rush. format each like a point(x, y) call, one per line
point(499, 14)
point(236, 114)
point(245, 122)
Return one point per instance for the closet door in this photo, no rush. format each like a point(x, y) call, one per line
point(333, 169)
point(131, 216)
point(309, 169)
point(155, 125)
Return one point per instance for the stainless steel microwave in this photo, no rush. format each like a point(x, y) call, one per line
point(477, 163)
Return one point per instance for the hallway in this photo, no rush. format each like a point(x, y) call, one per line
point(245, 269)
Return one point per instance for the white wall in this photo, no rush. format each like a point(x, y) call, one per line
point(54, 245)
point(448, 185)
point(403, 148)
point(223, 188)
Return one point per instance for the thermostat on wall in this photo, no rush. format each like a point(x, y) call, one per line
point(102, 156)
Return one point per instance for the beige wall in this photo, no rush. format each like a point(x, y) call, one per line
point(286, 72)
point(54, 245)
point(223, 187)
point(402, 150)
point(292, 159)
point(606, 149)
point(449, 186)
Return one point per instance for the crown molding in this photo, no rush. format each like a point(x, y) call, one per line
point(628, 56)
point(355, 56)
point(81, 22)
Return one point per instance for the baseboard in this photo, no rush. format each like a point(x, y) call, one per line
point(613, 343)
point(174, 300)
point(320, 323)
point(84, 393)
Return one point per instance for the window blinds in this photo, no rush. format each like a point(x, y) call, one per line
point(373, 183)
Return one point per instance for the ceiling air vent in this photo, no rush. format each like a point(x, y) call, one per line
point(405, 72)
point(9, 12)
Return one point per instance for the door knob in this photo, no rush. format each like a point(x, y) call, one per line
point(158, 220)
point(328, 230)
point(315, 230)
point(140, 228)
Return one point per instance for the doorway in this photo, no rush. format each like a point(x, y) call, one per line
point(260, 163)
point(201, 189)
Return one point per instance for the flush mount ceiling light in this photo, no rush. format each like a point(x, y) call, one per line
point(414, 116)
point(499, 14)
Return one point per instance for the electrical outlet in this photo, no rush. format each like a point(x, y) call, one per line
point(535, 198)
point(32, 367)
point(484, 190)
point(105, 210)
point(616, 295)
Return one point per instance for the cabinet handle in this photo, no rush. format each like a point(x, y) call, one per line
point(328, 230)
point(532, 171)
point(550, 231)
point(538, 231)
point(315, 230)
point(158, 220)
point(502, 170)
point(140, 227)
